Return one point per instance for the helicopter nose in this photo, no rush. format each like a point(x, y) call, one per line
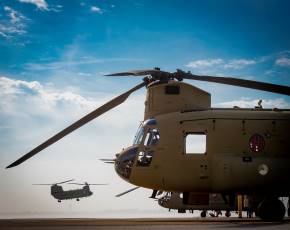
point(124, 162)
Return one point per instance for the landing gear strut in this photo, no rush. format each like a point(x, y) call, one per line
point(271, 209)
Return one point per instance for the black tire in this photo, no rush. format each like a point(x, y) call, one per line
point(203, 214)
point(228, 214)
point(271, 209)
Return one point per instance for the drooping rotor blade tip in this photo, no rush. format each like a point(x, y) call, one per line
point(13, 164)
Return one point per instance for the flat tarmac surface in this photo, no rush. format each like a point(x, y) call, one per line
point(143, 223)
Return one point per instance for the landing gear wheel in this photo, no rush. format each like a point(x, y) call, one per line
point(78, 199)
point(271, 209)
point(58, 201)
point(203, 214)
point(228, 214)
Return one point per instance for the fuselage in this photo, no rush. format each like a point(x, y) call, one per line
point(58, 193)
point(230, 150)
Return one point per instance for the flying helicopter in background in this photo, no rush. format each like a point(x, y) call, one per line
point(184, 145)
point(58, 193)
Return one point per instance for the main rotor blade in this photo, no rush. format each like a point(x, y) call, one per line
point(57, 183)
point(99, 111)
point(130, 190)
point(281, 89)
point(86, 184)
point(138, 73)
point(65, 181)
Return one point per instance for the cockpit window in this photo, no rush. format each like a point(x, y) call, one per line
point(139, 135)
point(152, 137)
point(152, 134)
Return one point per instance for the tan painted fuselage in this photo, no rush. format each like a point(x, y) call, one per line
point(229, 164)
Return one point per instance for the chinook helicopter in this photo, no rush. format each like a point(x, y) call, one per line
point(244, 151)
point(58, 193)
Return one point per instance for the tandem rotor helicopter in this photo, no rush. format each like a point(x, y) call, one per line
point(58, 193)
point(244, 151)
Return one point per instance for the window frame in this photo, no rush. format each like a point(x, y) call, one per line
point(152, 132)
point(195, 153)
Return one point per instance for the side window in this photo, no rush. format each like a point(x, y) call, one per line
point(195, 143)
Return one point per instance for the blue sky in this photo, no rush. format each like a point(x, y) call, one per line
point(89, 38)
point(54, 53)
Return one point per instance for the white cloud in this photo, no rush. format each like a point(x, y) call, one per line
point(3, 34)
point(15, 24)
point(285, 62)
point(11, 86)
point(204, 63)
point(239, 63)
point(45, 100)
point(13, 14)
point(221, 63)
point(40, 4)
point(251, 103)
point(60, 64)
point(96, 9)
point(42, 95)
point(84, 74)
point(69, 61)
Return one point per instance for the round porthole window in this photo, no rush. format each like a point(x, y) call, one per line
point(257, 143)
point(263, 169)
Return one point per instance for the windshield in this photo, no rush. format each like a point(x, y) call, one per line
point(139, 135)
